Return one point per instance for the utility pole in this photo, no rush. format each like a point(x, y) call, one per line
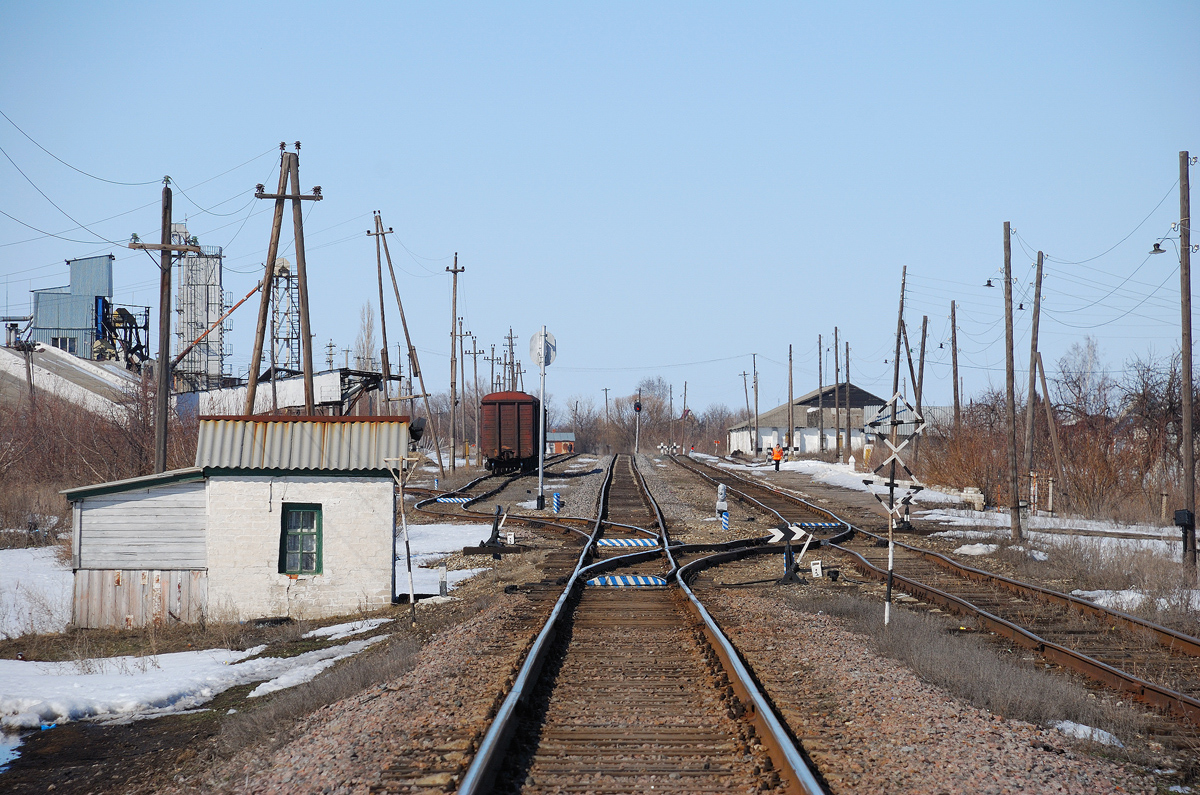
point(837, 400)
point(749, 416)
point(670, 416)
point(1062, 479)
point(162, 370)
point(1185, 296)
point(512, 360)
point(1011, 387)
point(754, 366)
point(1027, 468)
point(414, 366)
point(849, 432)
point(475, 353)
point(383, 363)
point(288, 167)
point(791, 434)
point(683, 423)
point(820, 394)
point(329, 354)
point(920, 385)
point(492, 360)
point(954, 367)
point(453, 356)
point(462, 357)
point(887, 599)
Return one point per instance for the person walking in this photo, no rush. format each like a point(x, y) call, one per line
point(777, 456)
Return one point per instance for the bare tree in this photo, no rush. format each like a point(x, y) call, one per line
point(365, 346)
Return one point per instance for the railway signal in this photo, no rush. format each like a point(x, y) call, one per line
point(543, 350)
point(789, 533)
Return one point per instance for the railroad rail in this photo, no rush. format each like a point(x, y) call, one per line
point(630, 685)
point(1149, 662)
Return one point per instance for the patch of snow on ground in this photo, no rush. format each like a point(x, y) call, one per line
point(431, 542)
point(37, 693)
point(958, 517)
point(313, 663)
point(35, 592)
point(343, 631)
point(1081, 732)
point(976, 549)
point(1128, 599)
point(841, 475)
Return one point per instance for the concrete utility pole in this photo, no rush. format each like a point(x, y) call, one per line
point(462, 357)
point(1027, 467)
point(670, 415)
point(1014, 483)
point(746, 389)
point(791, 434)
point(820, 395)
point(475, 353)
point(837, 400)
point(954, 366)
point(849, 437)
point(754, 366)
point(383, 360)
point(1185, 301)
point(920, 385)
point(453, 356)
point(414, 366)
point(288, 167)
point(683, 422)
point(512, 360)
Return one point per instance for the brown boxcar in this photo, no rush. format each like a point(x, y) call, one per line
point(508, 431)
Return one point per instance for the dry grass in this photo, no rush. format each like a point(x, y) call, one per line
point(971, 669)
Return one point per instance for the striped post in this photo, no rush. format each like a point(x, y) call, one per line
point(435, 482)
point(724, 520)
point(557, 502)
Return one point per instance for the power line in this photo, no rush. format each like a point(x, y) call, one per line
point(68, 165)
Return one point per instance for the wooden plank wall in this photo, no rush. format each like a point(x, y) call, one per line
point(161, 527)
point(132, 598)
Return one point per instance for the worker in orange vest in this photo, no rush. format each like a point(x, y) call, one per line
point(777, 456)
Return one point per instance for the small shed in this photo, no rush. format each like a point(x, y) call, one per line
point(281, 516)
point(559, 442)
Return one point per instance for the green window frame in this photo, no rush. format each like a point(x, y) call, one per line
point(300, 539)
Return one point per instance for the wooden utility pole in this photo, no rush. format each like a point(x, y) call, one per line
point(791, 434)
point(837, 400)
point(289, 166)
point(954, 366)
point(1185, 300)
point(162, 370)
point(754, 366)
point(1058, 465)
point(512, 360)
point(414, 366)
point(453, 356)
point(1011, 387)
point(1027, 463)
point(462, 358)
point(682, 422)
point(383, 362)
point(749, 416)
point(820, 395)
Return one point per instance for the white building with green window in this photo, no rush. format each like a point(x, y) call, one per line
point(280, 517)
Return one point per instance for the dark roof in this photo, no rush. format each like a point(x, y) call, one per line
point(777, 417)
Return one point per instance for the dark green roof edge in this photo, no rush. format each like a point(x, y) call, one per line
point(132, 484)
point(328, 473)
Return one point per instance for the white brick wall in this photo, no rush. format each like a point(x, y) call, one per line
point(244, 525)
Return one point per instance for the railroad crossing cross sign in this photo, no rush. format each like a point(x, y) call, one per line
point(912, 485)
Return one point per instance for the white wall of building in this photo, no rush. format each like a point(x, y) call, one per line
point(244, 526)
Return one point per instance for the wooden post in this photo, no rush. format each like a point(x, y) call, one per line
point(414, 364)
point(462, 383)
point(1027, 463)
point(745, 389)
point(383, 361)
point(453, 356)
point(920, 390)
point(754, 367)
point(849, 430)
point(954, 366)
point(1058, 466)
point(162, 372)
point(1185, 302)
point(302, 283)
point(1011, 386)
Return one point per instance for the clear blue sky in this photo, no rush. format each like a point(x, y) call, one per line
point(668, 187)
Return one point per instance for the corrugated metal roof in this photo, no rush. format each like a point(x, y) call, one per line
point(302, 443)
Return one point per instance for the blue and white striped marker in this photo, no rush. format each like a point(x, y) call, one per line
point(627, 581)
point(724, 520)
point(435, 481)
point(447, 498)
point(817, 525)
point(557, 502)
point(627, 542)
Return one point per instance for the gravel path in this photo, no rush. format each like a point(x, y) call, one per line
point(689, 504)
point(872, 726)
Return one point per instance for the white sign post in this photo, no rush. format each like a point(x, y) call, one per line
point(543, 349)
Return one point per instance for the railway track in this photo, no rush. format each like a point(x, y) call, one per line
point(1152, 663)
point(630, 686)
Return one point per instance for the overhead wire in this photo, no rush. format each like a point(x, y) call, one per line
point(68, 165)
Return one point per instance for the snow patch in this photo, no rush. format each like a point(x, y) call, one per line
point(976, 549)
point(35, 592)
point(1081, 732)
point(310, 664)
point(343, 631)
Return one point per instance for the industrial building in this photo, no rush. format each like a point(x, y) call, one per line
point(200, 300)
point(278, 518)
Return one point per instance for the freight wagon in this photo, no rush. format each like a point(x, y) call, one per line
point(508, 432)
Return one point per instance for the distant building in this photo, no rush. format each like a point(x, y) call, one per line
point(200, 300)
point(559, 442)
point(279, 517)
point(66, 317)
